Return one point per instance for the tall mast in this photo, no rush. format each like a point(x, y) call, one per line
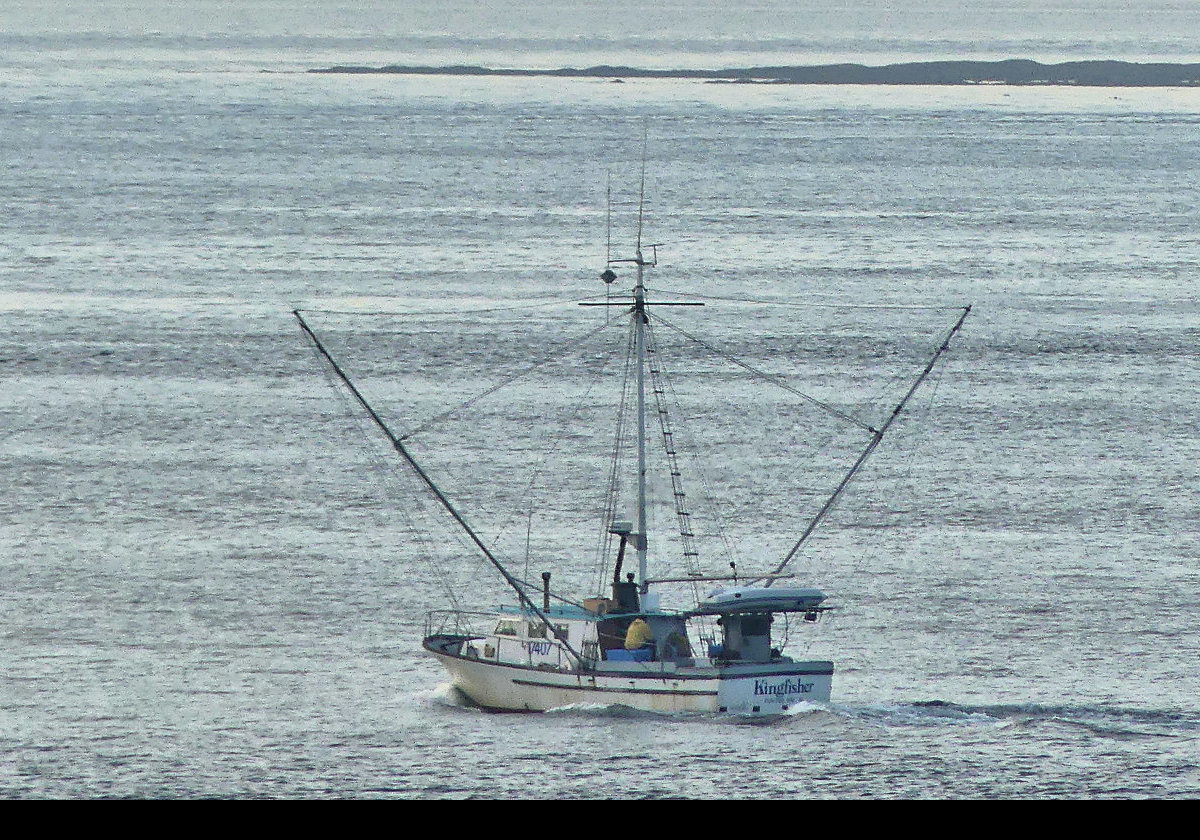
point(639, 312)
point(639, 326)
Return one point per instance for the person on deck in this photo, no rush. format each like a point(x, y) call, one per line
point(639, 635)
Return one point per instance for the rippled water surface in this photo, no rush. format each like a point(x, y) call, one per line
point(214, 577)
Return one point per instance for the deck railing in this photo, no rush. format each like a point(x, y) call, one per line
point(459, 622)
point(479, 625)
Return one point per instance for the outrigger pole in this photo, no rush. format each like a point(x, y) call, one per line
point(877, 436)
point(398, 445)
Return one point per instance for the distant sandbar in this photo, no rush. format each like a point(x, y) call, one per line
point(1010, 72)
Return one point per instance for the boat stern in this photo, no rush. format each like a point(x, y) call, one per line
point(772, 694)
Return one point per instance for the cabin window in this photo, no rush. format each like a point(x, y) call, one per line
point(756, 625)
point(506, 627)
point(537, 630)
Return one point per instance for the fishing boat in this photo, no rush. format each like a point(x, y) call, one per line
point(720, 654)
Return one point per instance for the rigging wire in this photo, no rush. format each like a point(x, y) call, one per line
point(556, 442)
point(768, 377)
point(808, 304)
point(876, 438)
point(414, 313)
point(815, 447)
point(707, 495)
point(664, 392)
point(500, 386)
point(527, 602)
point(390, 475)
point(691, 557)
point(613, 494)
point(872, 542)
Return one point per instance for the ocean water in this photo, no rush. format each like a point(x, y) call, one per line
point(215, 578)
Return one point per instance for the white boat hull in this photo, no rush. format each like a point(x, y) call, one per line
point(766, 689)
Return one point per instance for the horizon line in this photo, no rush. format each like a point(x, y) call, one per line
point(1084, 73)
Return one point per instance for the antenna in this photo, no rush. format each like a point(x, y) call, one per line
point(608, 276)
point(608, 222)
point(642, 191)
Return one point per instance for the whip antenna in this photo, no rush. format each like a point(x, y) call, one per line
point(608, 248)
point(642, 192)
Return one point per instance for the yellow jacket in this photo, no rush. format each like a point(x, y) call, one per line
point(638, 635)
